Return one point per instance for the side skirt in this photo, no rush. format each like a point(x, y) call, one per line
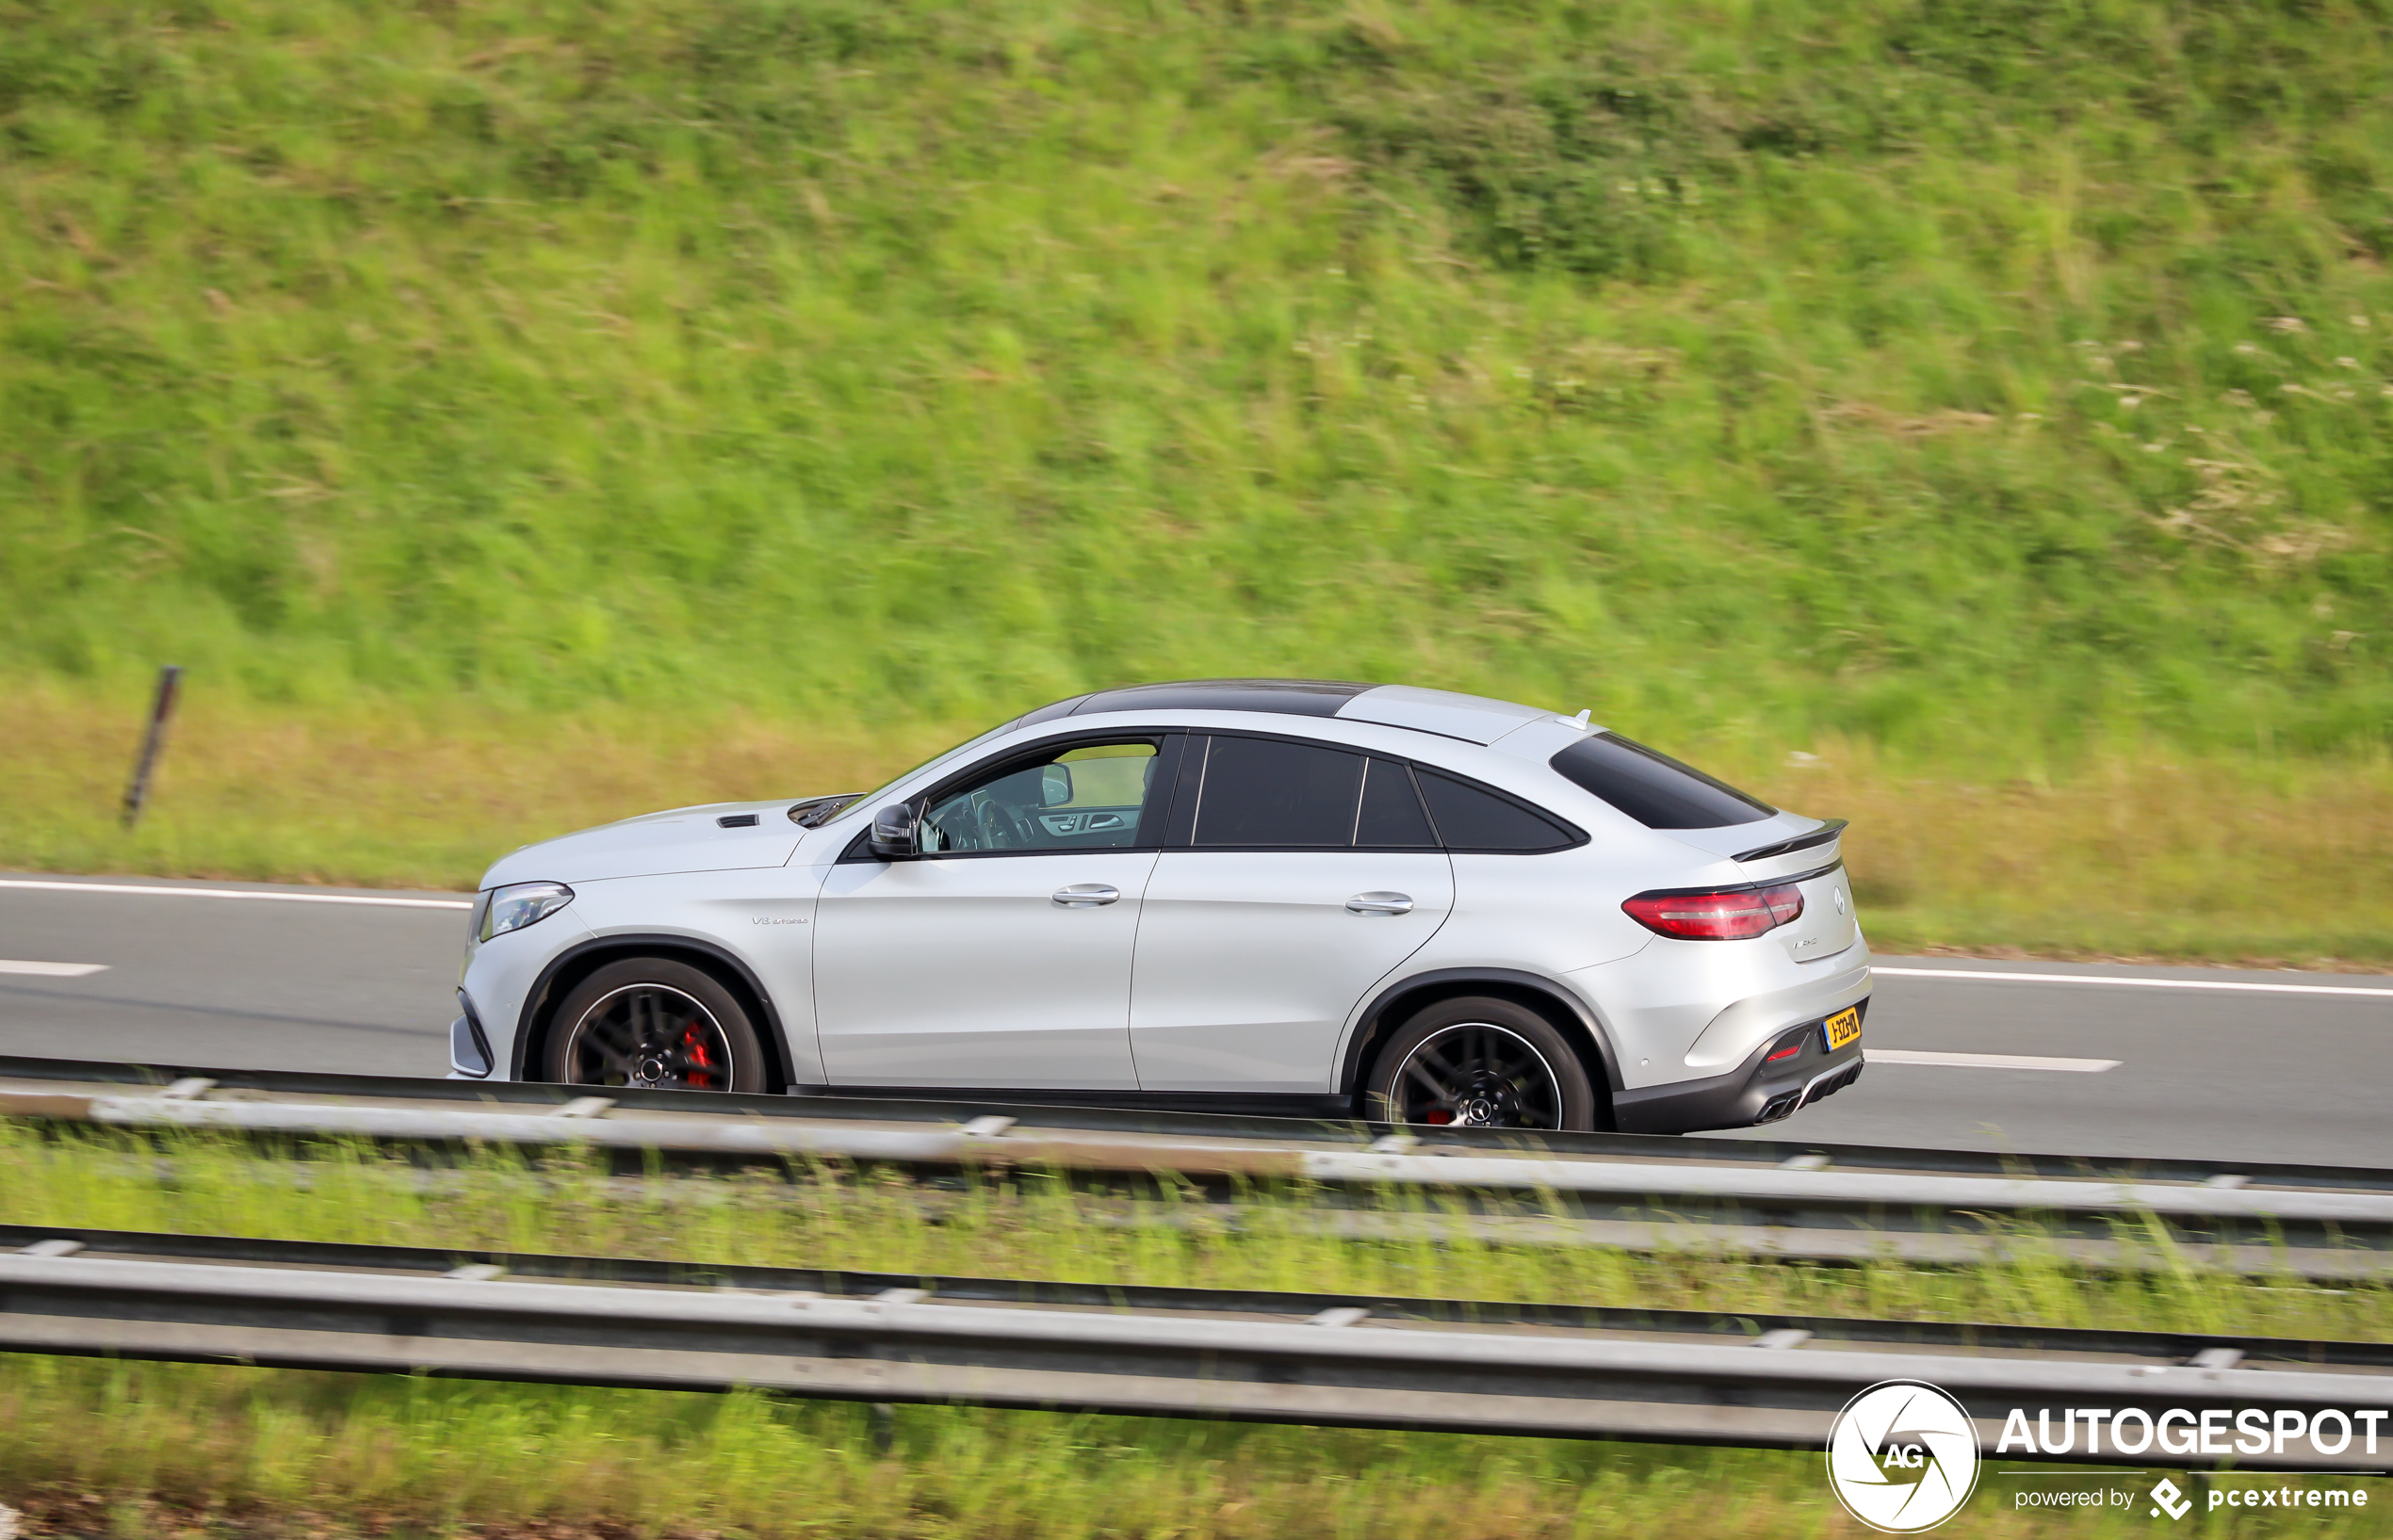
point(1310, 1106)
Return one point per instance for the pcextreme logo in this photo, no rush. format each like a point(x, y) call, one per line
point(1902, 1457)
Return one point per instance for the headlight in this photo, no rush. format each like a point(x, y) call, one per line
point(518, 904)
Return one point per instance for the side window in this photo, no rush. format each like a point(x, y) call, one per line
point(1471, 818)
point(1256, 791)
point(1090, 797)
point(1392, 817)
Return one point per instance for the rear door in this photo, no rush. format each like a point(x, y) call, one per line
point(1296, 876)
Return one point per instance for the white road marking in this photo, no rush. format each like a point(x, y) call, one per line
point(53, 970)
point(1988, 1061)
point(376, 901)
point(2243, 985)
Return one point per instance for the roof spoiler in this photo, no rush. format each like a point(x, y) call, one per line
point(1820, 836)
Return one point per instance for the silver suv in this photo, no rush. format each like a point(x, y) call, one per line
point(1423, 907)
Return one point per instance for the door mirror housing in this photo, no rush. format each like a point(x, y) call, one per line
point(893, 834)
point(1054, 786)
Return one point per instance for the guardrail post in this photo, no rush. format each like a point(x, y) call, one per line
point(161, 710)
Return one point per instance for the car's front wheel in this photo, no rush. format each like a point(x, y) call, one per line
point(1480, 1062)
point(651, 1023)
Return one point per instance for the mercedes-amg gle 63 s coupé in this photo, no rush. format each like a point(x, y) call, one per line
point(1415, 906)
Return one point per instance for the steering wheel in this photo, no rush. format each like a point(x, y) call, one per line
point(1004, 826)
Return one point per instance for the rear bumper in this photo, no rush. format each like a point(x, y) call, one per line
point(1749, 1094)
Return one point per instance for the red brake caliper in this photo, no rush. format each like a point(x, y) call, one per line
point(693, 1049)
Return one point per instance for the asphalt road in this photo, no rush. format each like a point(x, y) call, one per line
point(265, 982)
point(298, 982)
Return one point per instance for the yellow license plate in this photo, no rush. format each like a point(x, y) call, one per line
point(1843, 1028)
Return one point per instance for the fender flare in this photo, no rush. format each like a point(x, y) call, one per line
point(1513, 982)
point(640, 944)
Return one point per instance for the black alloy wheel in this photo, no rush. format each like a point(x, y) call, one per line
point(653, 1024)
point(1480, 1063)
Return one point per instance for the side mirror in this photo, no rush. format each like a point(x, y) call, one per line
point(1054, 786)
point(892, 837)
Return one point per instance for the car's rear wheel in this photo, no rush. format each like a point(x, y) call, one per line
point(651, 1023)
point(1480, 1062)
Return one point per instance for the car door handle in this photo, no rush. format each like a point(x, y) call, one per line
point(1086, 895)
point(1380, 903)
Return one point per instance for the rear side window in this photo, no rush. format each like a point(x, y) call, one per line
point(1473, 819)
point(1257, 791)
point(1392, 817)
point(1653, 788)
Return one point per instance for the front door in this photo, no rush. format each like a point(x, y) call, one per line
point(1001, 957)
point(1311, 872)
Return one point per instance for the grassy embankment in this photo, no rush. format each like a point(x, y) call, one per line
point(163, 1449)
point(527, 413)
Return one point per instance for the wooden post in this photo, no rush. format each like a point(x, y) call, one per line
point(153, 743)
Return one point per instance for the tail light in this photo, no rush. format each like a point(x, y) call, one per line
point(1728, 916)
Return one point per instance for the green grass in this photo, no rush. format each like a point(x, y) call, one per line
point(1984, 379)
point(142, 1451)
point(136, 1450)
point(527, 413)
point(441, 1453)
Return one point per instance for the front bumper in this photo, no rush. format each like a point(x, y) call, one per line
point(1753, 1092)
point(469, 1055)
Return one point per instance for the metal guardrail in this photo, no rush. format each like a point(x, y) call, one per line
point(1299, 1358)
point(1775, 1196)
point(1062, 1116)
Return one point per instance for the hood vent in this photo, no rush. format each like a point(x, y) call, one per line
point(736, 820)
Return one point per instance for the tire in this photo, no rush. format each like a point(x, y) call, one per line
point(1480, 1062)
point(650, 1023)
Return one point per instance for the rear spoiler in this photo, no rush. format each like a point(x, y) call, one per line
point(1820, 836)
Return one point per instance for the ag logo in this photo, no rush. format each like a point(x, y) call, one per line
point(1902, 1457)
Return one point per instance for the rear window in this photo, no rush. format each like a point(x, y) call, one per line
point(1653, 788)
